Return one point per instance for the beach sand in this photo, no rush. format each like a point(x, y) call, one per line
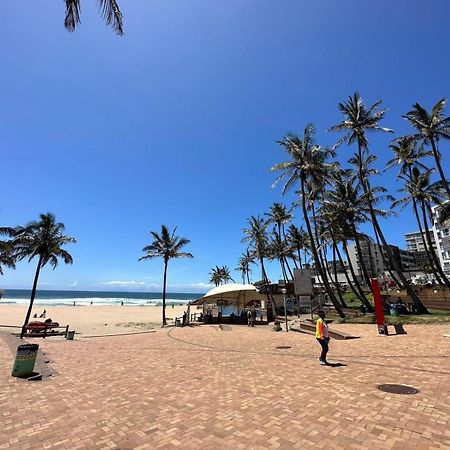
point(95, 320)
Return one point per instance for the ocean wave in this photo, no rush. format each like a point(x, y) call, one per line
point(98, 301)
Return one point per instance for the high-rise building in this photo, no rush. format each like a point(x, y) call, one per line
point(414, 242)
point(442, 237)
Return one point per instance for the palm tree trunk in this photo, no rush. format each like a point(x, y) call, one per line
point(314, 252)
point(270, 299)
point(361, 298)
point(33, 295)
point(439, 167)
point(360, 256)
point(421, 309)
point(430, 258)
point(369, 251)
point(164, 322)
point(336, 280)
point(362, 295)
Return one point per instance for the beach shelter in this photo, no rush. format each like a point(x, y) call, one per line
point(231, 298)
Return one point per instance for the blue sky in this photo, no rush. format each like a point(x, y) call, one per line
point(177, 121)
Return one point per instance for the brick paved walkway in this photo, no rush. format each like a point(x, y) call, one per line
point(231, 388)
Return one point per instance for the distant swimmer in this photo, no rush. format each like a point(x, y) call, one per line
point(121, 303)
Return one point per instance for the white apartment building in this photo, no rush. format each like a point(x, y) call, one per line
point(414, 242)
point(442, 237)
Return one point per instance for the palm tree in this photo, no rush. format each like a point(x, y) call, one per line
point(6, 256)
point(307, 166)
point(244, 266)
point(422, 193)
point(431, 127)
point(43, 239)
point(109, 10)
point(358, 120)
point(256, 236)
point(167, 246)
point(219, 275)
point(215, 276)
point(407, 154)
point(299, 241)
point(279, 215)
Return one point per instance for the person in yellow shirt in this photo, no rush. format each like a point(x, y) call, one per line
point(322, 337)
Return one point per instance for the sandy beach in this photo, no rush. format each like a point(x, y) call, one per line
point(96, 320)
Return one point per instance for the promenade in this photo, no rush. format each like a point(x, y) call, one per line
point(230, 387)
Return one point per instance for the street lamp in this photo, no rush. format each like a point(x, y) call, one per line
point(283, 291)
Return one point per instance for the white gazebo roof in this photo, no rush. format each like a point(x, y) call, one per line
point(230, 288)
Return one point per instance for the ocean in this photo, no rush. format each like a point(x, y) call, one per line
point(105, 298)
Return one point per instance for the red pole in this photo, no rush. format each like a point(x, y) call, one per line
point(379, 309)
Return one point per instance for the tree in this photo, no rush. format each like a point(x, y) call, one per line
point(109, 10)
point(244, 266)
point(219, 275)
point(6, 257)
point(45, 240)
point(215, 276)
point(421, 193)
point(256, 236)
point(299, 241)
point(167, 246)
point(307, 167)
point(358, 120)
point(431, 127)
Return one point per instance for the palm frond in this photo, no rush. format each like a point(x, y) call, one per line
point(111, 13)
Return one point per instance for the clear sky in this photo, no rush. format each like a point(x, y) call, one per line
point(176, 122)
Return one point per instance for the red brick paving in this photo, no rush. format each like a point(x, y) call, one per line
point(209, 388)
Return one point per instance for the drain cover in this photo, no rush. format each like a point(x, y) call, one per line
point(283, 347)
point(398, 389)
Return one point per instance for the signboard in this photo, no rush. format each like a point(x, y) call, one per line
point(379, 310)
point(302, 282)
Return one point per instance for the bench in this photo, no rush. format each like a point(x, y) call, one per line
point(45, 331)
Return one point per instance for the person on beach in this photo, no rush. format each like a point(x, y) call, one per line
point(322, 337)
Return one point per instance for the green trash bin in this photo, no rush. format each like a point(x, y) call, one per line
point(393, 311)
point(70, 335)
point(25, 360)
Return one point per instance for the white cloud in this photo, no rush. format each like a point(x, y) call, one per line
point(123, 283)
point(73, 284)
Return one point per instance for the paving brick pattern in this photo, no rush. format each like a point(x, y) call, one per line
point(230, 388)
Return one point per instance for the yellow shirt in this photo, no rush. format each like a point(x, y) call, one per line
point(321, 329)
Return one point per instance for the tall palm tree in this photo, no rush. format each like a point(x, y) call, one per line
point(279, 215)
point(358, 120)
point(421, 193)
point(244, 266)
point(431, 127)
point(45, 240)
point(307, 166)
point(256, 236)
point(168, 246)
point(109, 10)
point(299, 240)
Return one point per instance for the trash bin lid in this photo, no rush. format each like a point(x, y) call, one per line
point(28, 347)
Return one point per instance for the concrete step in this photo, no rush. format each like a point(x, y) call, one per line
point(304, 327)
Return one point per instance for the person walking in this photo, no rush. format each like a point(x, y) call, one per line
point(322, 337)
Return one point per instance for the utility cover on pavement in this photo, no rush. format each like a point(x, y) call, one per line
point(398, 389)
